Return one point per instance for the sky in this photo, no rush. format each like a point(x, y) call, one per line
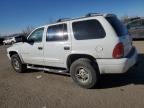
point(16, 15)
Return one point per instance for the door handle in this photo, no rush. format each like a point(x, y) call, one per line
point(40, 48)
point(66, 48)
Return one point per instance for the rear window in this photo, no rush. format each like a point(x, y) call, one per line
point(118, 26)
point(88, 29)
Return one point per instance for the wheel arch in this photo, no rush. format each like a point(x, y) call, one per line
point(11, 53)
point(71, 58)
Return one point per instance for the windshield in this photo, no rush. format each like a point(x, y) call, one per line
point(118, 26)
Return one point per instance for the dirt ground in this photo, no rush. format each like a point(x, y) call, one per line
point(26, 90)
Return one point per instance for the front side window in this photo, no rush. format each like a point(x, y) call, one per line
point(89, 29)
point(57, 33)
point(37, 35)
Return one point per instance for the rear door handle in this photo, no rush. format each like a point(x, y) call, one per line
point(40, 48)
point(66, 48)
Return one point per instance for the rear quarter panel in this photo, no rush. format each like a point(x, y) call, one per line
point(98, 48)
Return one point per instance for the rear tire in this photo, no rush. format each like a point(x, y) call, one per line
point(17, 64)
point(84, 73)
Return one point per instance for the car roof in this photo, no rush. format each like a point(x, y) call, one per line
point(90, 15)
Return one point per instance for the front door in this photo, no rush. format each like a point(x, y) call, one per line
point(32, 51)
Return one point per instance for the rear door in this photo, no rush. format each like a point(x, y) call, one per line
point(57, 46)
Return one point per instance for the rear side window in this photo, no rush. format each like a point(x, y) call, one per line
point(118, 26)
point(57, 33)
point(89, 29)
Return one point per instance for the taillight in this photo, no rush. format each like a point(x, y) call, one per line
point(118, 51)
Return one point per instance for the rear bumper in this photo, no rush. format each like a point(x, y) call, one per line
point(118, 65)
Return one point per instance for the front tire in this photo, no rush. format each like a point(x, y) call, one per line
point(17, 64)
point(84, 73)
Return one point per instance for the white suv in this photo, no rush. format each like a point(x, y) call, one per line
point(82, 47)
point(9, 41)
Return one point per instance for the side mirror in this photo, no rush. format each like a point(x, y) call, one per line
point(31, 41)
point(24, 39)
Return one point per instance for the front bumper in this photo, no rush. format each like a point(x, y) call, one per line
point(118, 65)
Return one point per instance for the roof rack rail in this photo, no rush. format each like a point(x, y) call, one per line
point(63, 19)
point(92, 14)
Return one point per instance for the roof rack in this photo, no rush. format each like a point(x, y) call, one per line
point(63, 19)
point(92, 14)
point(87, 15)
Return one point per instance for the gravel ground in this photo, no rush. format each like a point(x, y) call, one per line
point(38, 89)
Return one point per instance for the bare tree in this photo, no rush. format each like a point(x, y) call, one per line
point(27, 30)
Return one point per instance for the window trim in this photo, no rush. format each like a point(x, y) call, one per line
point(34, 31)
point(63, 30)
point(88, 20)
